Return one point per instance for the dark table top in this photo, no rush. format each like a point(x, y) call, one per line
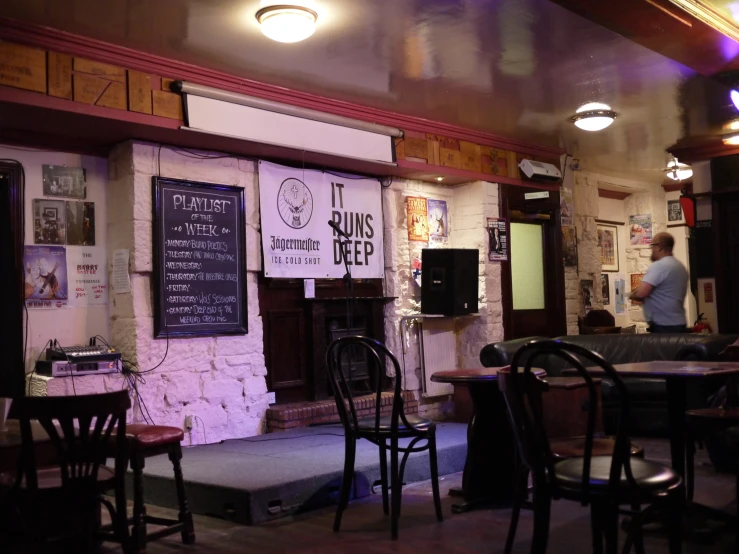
point(467, 376)
point(668, 369)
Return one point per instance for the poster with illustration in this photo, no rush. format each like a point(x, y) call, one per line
point(586, 293)
point(46, 284)
point(605, 289)
point(81, 223)
point(640, 229)
point(618, 289)
point(438, 220)
point(569, 246)
point(417, 211)
point(608, 244)
point(49, 222)
point(497, 240)
point(566, 207)
point(635, 280)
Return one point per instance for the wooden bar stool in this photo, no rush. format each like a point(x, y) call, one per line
point(145, 441)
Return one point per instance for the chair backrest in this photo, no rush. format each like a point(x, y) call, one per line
point(522, 392)
point(378, 356)
point(80, 429)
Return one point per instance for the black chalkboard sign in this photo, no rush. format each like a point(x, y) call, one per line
point(199, 259)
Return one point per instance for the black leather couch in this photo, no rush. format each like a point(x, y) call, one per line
point(648, 396)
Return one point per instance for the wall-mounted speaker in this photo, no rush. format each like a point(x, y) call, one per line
point(449, 281)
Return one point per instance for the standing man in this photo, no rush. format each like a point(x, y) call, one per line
point(663, 289)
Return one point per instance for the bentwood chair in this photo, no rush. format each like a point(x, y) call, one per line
point(61, 502)
point(385, 428)
point(605, 483)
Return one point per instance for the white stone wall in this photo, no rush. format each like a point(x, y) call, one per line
point(468, 206)
point(218, 380)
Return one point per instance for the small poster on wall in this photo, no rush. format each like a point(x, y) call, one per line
point(566, 207)
point(49, 225)
point(605, 288)
point(640, 229)
point(416, 267)
point(64, 181)
point(608, 244)
point(497, 240)
point(418, 229)
point(586, 292)
point(674, 212)
point(88, 276)
point(438, 220)
point(81, 223)
point(618, 289)
point(46, 284)
point(635, 280)
point(569, 246)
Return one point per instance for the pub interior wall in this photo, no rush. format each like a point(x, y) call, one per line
point(69, 325)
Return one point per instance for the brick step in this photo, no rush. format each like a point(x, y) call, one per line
point(303, 414)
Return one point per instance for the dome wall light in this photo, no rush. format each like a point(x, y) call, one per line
point(731, 140)
point(287, 23)
point(594, 116)
point(678, 171)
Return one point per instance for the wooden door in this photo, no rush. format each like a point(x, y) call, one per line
point(533, 276)
point(726, 260)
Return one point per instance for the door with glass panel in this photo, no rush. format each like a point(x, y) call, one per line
point(528, 279)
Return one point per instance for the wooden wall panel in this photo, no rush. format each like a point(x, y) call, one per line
point(416, 148)
point(110, 72)
point(22, 67)
point(139, 92)
point(450, 158)
point(60, 75)
point(167, 104)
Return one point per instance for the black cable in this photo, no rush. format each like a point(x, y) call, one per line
point(392, 177)
point(69, 364)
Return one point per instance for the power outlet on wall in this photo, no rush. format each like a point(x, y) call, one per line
point(271, 397)
point(188, 422)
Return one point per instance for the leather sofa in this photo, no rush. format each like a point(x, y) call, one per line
point(648, 396)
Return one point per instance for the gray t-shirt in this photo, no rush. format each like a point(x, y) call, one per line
point(665, 304)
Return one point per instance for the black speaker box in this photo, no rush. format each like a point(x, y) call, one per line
point(449, 283)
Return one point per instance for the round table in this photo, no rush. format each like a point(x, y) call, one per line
point(488, 470)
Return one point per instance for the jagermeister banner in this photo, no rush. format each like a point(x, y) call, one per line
point(296, 206)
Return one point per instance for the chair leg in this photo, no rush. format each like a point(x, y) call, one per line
point(610, 523)
point(636, 534)
point(520, 493)
point(138, 531)
point(188, 533)
point(395, 488)
point(674, 507)
point(121, 515)
point(690, 466)
point(596, 526)
point(542, 511)
point(383, 478)
point(346, 481)
point(435, 476)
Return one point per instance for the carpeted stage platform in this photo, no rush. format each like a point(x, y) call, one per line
point(253, 480)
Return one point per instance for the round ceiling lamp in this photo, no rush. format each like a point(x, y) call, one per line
point(734, 95)
point(287, 22)
point(678, 171)
point(594, 116)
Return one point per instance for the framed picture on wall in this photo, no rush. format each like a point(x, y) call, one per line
point(608, 244)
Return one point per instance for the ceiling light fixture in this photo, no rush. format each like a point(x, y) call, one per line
point(594, 116)
point(731, 140)
point(734, 95)
point(678, 171)
point(287, 22)
point(440, 178)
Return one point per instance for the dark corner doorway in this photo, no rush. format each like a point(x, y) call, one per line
point(726, 259)
point(533, 276)
point(12, 371)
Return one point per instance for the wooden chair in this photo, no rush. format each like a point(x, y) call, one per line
point(604, 482)
point(383, 430)
point(80, 429)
